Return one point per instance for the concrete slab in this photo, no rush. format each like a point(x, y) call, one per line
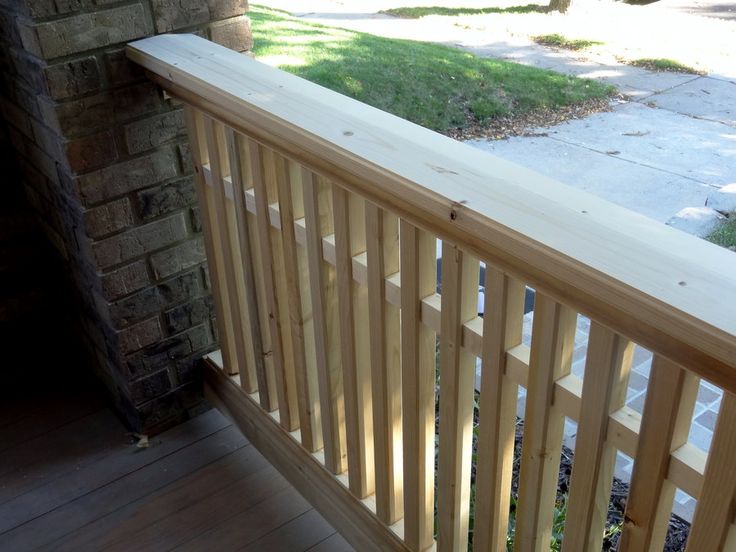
point(657, 138)
point(649, 191)
point(705, 98)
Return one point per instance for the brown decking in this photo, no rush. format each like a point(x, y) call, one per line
point(71, 480)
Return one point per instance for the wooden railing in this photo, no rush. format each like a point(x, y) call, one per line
point(321, 217)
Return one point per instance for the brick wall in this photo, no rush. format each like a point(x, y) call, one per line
point(106, 166)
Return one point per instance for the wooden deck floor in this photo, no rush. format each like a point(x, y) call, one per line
point(71, 480)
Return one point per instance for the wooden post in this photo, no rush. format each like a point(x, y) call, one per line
point(503, 316)
point(457, 386)
point(553, 335)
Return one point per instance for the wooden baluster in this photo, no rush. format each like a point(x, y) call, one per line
point(418, 280)
point(353, 306)
point(553, 334)
point(196, 131)
point(292, 301)
point(245, 270)
point(318, 223)
point(670, 401)
point(714, 514)
point(269, 263)
point(382, 240)
point(606, 379)
point(457, 388)
point(502, 329)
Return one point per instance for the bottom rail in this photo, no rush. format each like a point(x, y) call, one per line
point(355, 520)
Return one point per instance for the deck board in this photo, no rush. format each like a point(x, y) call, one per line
point(73, 481)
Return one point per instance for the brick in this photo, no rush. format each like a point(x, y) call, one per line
point(28, 71)
point(152, 300)
point(166, 198)
point(161, 354)
point(88, 31)
point(91, 152)
point(176, 14)
point(140, 335)
point(125, 280)
point(150, 387)
point(196, 217)
point(138, 241)
point(72, 78)
point(189, 314)
point(100, 110)
point(47, 8)
point(128, 176)
point(120, 70)
point(154, 131)
point(185, 158)
point(108, 218)
point(178, 258)
point(233, 33)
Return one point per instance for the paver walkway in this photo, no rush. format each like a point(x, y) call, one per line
point(666, 150)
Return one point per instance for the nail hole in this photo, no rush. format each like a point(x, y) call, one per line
point(347, 133)
point(453, 215)
point(682, 283)
point(584, 212)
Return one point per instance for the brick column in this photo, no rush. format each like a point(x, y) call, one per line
point(106, 166)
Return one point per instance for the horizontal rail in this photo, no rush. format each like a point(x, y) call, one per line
point(670, 292)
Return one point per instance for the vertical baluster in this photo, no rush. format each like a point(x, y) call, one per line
point(714, 514)
point(382, 240)
point(251, 321)
point(289, 211)
point(352, 300)
point(195, 128)
point(418, 280)
point(457, 387)
point(318, 223)
point(553, 334)
point(286, 399)
point(671, 396)
point(606, 379)
point(502, 329)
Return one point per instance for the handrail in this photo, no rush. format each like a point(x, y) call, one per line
point(321, 217)
point(671, 292)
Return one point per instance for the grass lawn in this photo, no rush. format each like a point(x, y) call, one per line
point(560, 41)
point(414, 13)
point(725, 234)
point(438, 87)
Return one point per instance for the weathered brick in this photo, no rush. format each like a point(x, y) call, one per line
point(189, 314)
point(100, 110)
point(196, 217)
point(109, 218)
point(87, 31)
point(121, 70)
point(48, 8)
point(176, 14)
point(185, 158)
point(154, 131)
point(150, 387)
point(125, 280)
point(178, 258)
point(140, 335)
point(128, 176)
point(28, 70)
point(154, 299)
point(233, 33)
point(72, 78)
point(166, 198)
point(161, 354)
point(140, 240)
point(91, 152)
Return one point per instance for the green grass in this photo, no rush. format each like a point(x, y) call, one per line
point(725, 234)
point(664, 64)
point(436, 86)
point(415, 13)
point(560, 41)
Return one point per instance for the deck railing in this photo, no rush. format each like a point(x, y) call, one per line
point(321, 217)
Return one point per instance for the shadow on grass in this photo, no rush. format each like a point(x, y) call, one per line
point(415, 13)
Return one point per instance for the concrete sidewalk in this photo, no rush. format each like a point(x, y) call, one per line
point(664, 152)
